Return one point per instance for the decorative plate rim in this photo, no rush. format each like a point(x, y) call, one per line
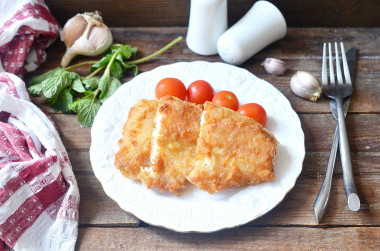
point(248, 88)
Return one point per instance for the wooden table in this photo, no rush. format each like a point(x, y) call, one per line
point(290, 225)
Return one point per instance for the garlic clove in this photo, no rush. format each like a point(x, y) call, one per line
point(306, 85)
point(73, 29)
point(85, 34)
point(274, 66)
point(98, 36)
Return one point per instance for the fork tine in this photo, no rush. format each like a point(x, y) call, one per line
point(346, 71)
point(337, 65)
point(324, 66)
point(332, 76)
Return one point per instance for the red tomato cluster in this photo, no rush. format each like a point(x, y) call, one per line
point(198, 92)
point(201, 91)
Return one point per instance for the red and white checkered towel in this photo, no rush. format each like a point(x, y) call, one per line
point(39, 196)
point(26, 29)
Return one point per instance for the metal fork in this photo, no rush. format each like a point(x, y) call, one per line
point(323, 197)
point(337, 90)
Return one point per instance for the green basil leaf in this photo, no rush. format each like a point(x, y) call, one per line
point(74, 105)
point(64, 99)
point(115, 47)
point(35, 90)
point(135, 70)
point(120, 58)
point(102, 62)
point(78, 86)
point(40, 78)
point(133, 51)
point(117, 69)
point(51, 87)
point(90, 84)
point(103, 82)
point(134, 67)
point(108, 88)
point(86, 108)
point(126, 51)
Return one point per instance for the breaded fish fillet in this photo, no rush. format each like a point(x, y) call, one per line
point(177, 125)
point(233, 150)
point(134, 146)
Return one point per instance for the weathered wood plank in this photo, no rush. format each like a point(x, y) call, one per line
point(96, 208)
point(80, 161)
point(363, 163)
point(296, 208)
point(315, 163)
point(72, 134)
point(268, 238)
point(307, 56)
point(306, 44)
point(312, 13)
point(363, 132)
point(365, 98)
point(120, 229)
point(299, 43)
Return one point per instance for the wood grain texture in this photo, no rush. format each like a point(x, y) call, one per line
point(147, 13)
point(298, 43)
point(318, 129)
point(96, 208)
point(304, 54)
point(364, 163)
point(365, 98)
point(257, 238)
point(296, 208)
point(290, 225)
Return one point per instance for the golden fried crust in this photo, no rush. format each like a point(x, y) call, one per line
point(134, 146)
point(177, 126)
point(233, 150)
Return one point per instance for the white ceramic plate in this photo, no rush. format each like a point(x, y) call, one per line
point(196, 210)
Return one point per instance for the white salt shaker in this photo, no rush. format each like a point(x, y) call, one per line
point(208, 20)
point(262, 25)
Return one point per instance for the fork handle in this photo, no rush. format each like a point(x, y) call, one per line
point(323, 197)
point(345, 156)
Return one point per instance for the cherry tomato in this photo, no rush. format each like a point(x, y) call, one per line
point(171, 86)
point(255, 111)
point(199, 92)
point(226, 99)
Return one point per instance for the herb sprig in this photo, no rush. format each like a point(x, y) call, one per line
point(68, 92)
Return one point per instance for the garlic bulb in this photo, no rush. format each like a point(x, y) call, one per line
point(274, 66)
point(85, 34)
point(305, 85)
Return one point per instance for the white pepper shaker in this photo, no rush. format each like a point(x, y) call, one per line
point(207, 21)
point(262, 25)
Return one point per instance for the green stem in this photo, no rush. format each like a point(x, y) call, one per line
point(107, 70)
point(95, 72)
point(163, 49)
point(80, 64)
point(96, 92)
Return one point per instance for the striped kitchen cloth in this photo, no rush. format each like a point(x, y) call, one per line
point(26, 29)
point(39, 196)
